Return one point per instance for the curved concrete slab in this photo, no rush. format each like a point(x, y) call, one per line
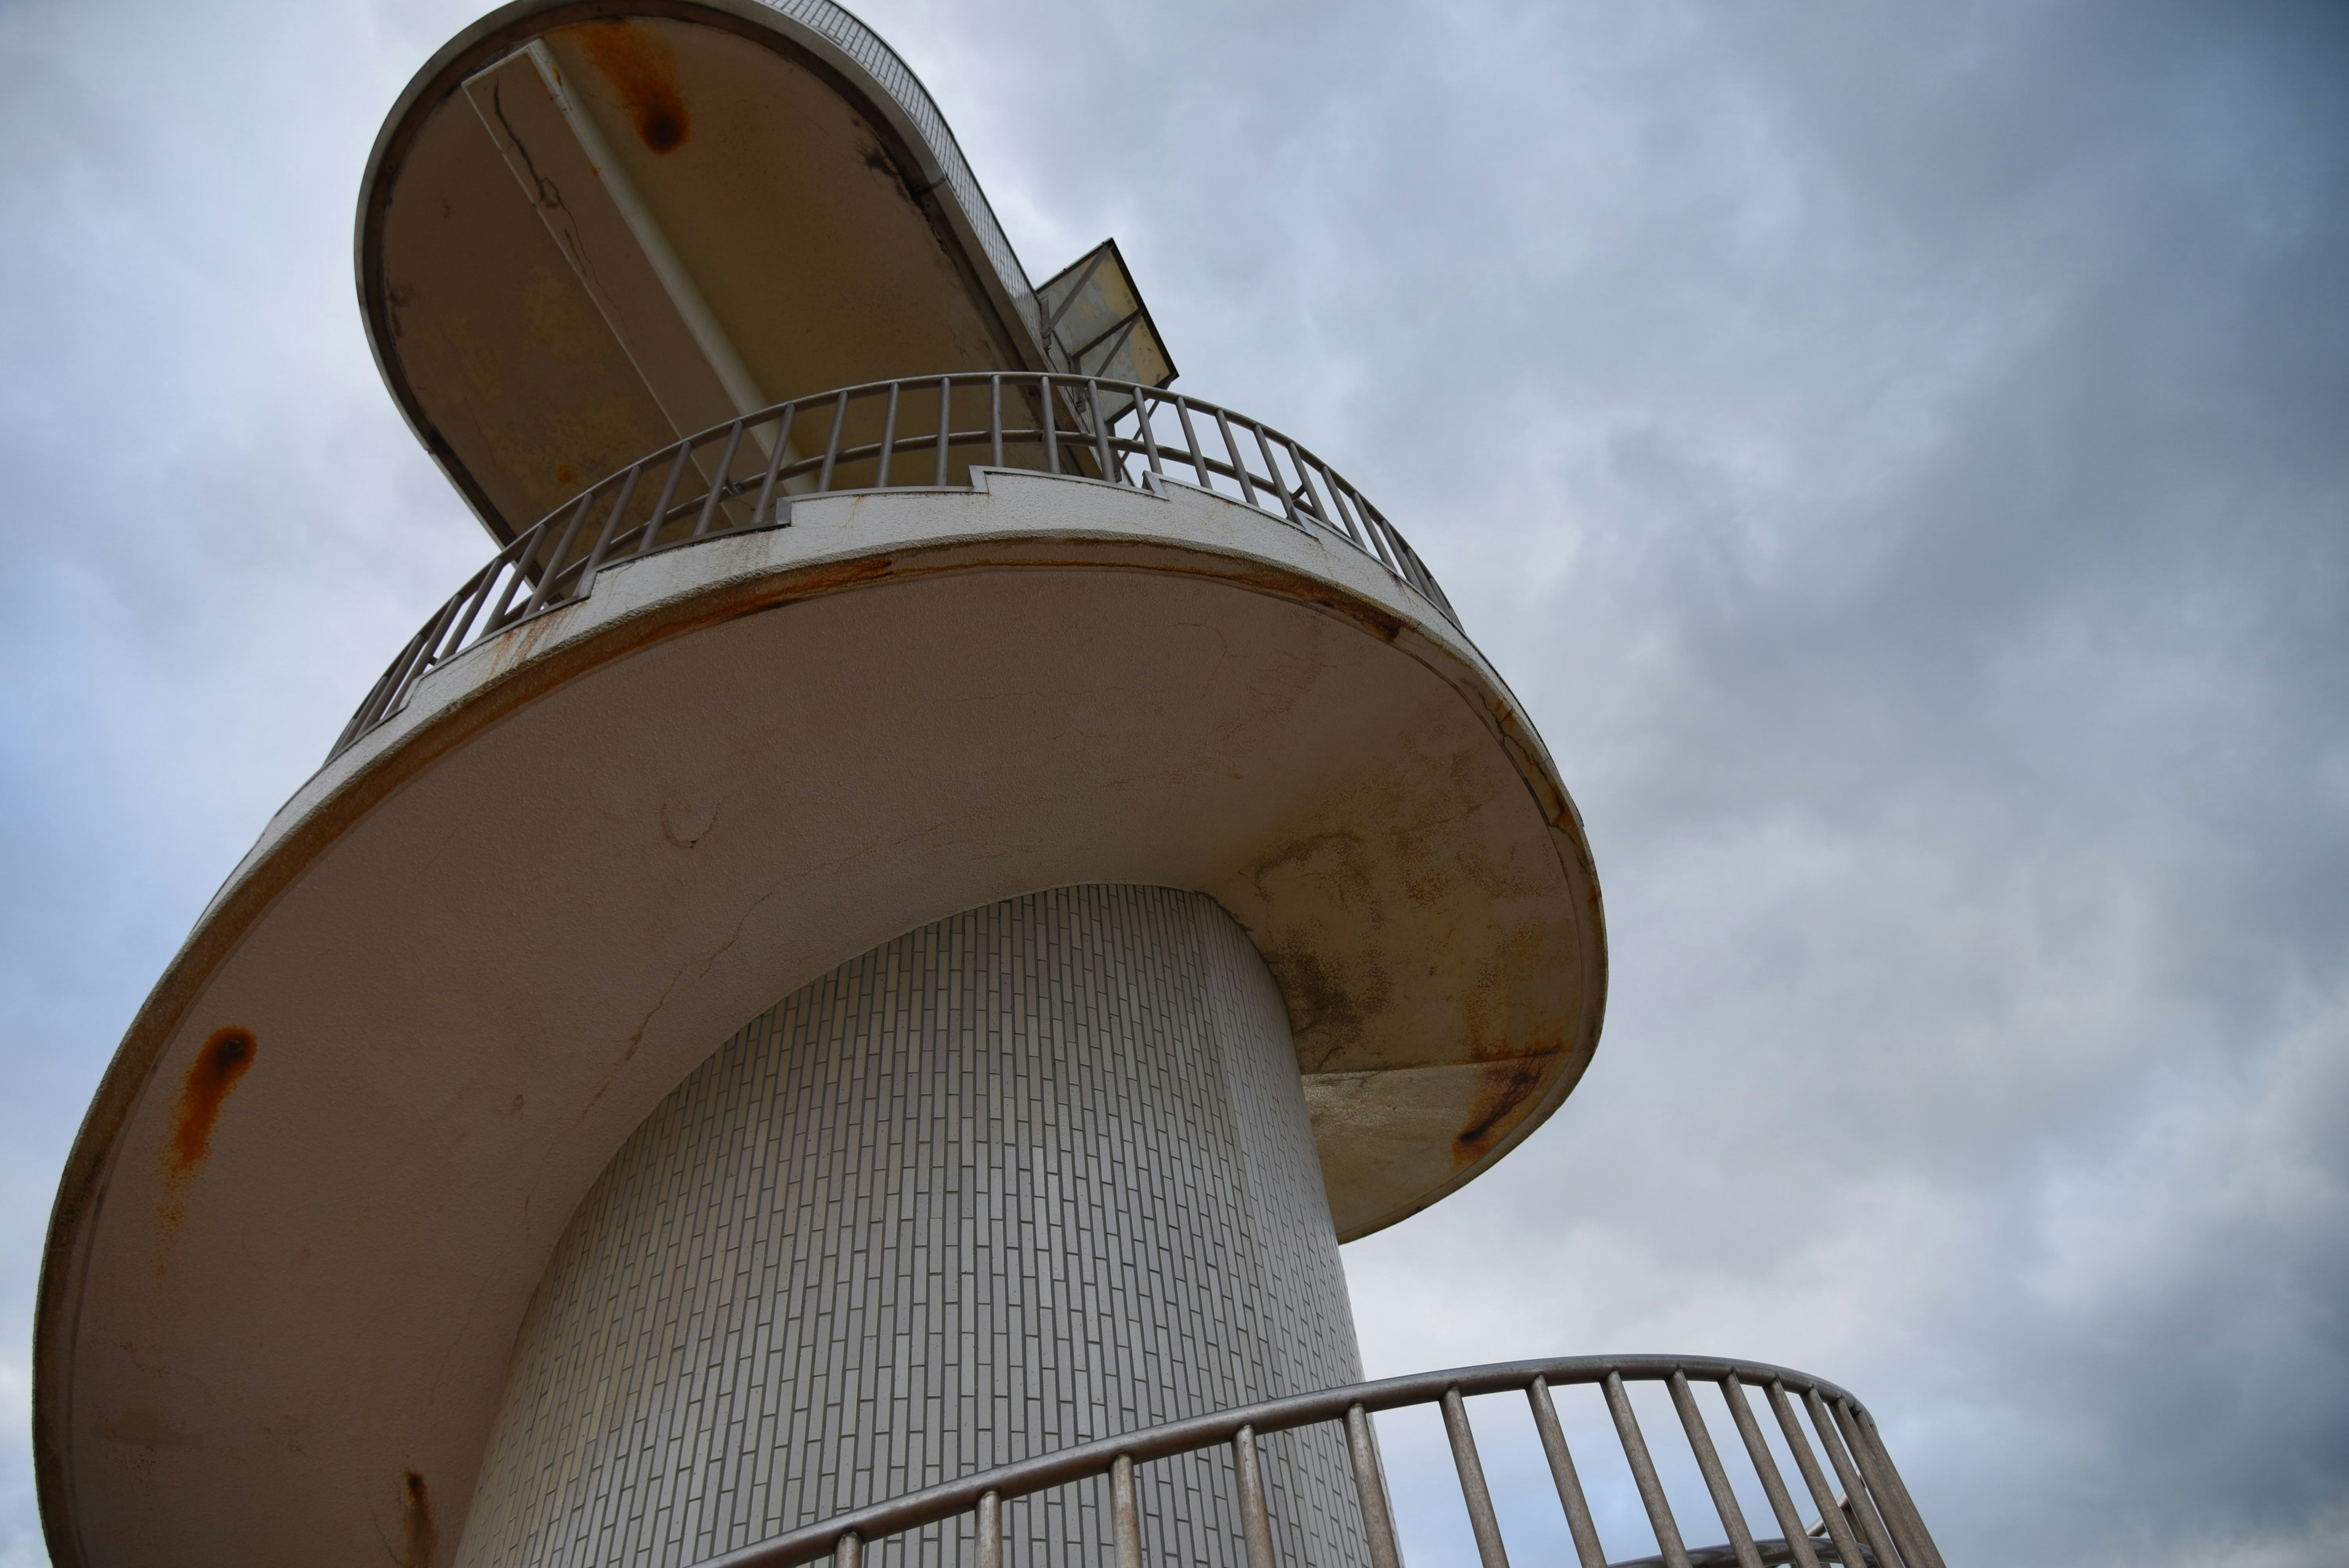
point(328, 1165)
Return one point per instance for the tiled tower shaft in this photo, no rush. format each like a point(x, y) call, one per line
point(1032, 1174)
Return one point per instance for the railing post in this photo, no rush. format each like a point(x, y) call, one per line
point(719, 482)
point(1126, 1507)
point(1255, 1515)
point(831, 445)
point(561, 548)
point(888, 441)
point(1765, 1466)
point(1197, 459)
point(1051, 424)
point(1831, 1513)
point(994, 417)
point(1473, 1490)
point(1100, 429)
point(1149, 437)
point(1897, 1489)
point(848, 1552)
point(945, 427)
point(1562, 1475)
point(775, 461)
point(1855, 1490)
point(1716, 1480)
point(1370, 1489)
point(1239, 467)
point(1643, 1473)
point(990, 1531)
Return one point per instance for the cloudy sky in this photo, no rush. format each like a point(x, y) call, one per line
point(1899, 453)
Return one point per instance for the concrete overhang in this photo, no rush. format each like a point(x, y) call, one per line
point(589, 228)
point(327, 1168)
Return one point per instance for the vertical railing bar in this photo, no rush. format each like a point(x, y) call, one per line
point(529, 541)
point(1643, 1473)
point(371, 706)
point(1232, 447)
point(1891, 1500)
point(1587, 1546)
point(1100, 429)
point(1490, 1552)
point(1126, 1508)
point(403, 671)
point(1197, 459)
point(1370, 1490)
point(1716, 1479)
point(994, 417)
point(1823, 1495)
point(554, 557)
point(945, 426)
point(831, 445)
point(1374, 526)
point(1297, 460)
point(474, 593)
point(1345, 507)
point(848, 1552)
point(774, 465)
point(1855, 1488)
point(1149, 437)
point(1765, 1466)
point(1256, 1517)
point(1272, 473)
point(718, 482)
point(661, 503)
point(1899, 1488)
point(888, 441)
point(1051, 425)
point(990, 1529)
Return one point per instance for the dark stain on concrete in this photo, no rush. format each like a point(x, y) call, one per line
point(222, 1059)
point(1502, 1090)
point(418, 1538)
point(642, 68)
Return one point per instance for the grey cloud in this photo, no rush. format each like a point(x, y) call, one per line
point(1896, 452)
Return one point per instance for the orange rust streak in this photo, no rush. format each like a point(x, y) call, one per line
point(1503, 1087)
point(416, 1506)
point(222, 1060)
point(642, 68)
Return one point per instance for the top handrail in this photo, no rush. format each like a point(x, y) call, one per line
point(928, 432)
point(1872, 1520)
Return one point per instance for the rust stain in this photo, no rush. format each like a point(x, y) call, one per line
point(565, 474)
point(416, 1512)
point(222, 1060)
point(642, 68)
point(1502, 1090)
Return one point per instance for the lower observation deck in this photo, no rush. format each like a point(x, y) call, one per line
point(1860, 1512)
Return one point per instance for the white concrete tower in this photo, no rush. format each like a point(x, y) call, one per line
point(894, 927)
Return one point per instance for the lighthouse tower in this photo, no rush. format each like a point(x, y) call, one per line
point(889, 932)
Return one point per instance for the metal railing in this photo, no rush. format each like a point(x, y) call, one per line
point(926, 433)
point(1864, 1515)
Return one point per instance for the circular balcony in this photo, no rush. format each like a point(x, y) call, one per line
point(929, 433)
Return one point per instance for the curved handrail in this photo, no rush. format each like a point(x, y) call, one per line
point(1871, 1521)
point(919, 433)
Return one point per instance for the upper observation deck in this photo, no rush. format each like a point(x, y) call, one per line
point(586, 230)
